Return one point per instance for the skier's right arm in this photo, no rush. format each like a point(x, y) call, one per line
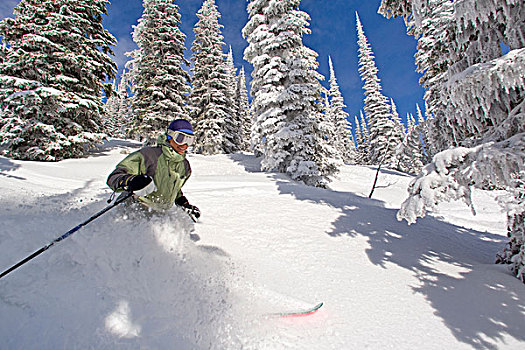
point(129, 175)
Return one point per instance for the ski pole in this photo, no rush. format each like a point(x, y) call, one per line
point(119, 200)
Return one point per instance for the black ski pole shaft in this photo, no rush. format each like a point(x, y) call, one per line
point(67, 234)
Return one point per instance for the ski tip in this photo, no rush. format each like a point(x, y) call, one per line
point(308, 312)
point(318, 306)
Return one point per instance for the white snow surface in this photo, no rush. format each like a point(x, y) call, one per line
point(264, 245)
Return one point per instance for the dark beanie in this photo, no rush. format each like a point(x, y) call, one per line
point(181, 125)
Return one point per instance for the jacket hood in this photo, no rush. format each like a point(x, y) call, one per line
point(162, 141)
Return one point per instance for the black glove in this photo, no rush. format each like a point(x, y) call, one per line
point(183, 202)
point(134, 182)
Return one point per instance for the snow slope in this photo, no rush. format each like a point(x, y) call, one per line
point(264, 245)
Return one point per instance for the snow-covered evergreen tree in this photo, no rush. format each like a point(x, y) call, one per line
point(124, 108)
point(116, 121)
point(328, 129)
point(364, 147)
point(514, 204)
point(111, 110)
point(399, 130)
point(244, 111)
point(360, 158)
point(343, 141)
point(55, 60)
point(350, 147)
point(420, 118)
point(433, 61)
point(266, 64)
point(330, 155)
point(480, 103)
point(409, 153)
point(210, 96)
point(233, 123)
point(285, 90)
point(3, 52)
point(159, 82)
point(423, 128)
point(382, 130)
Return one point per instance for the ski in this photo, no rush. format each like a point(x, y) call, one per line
point(300, 313)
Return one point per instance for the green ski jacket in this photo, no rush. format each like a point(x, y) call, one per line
point(168, 169)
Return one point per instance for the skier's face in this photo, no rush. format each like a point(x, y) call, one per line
point(180, 149)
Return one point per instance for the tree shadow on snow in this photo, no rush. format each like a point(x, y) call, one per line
point(115, 284)
point(480, 303)
point(108, 145)
point(250, 163)
point(6, 165)
point(388, 171)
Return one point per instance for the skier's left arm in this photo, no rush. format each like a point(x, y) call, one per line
point(181, 199)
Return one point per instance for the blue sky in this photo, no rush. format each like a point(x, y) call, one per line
point(333, 34)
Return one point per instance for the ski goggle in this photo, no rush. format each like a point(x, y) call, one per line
point(180, 137)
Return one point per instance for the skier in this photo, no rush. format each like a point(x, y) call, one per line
point(156, 174)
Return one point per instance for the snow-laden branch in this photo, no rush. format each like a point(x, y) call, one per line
point(488, 89)
point(453, 172)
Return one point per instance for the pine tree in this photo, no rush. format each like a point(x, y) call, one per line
point(423, 131)
point(360, 158)
point(159, 82)
point(265, 60)
point(109, 121)
point(3, 52)
point(55, 59)
point(514, 252)
point(343, 137)
point(210, 96)
point(478, 103)
point(243, 103)
point(433, 26)
point(383, 137)
point(398, 131)
point(286, 93)
point(233, 123)
point(350, 147)
point(328, 145)
point(328, 126)
point(116, 121)
point(124, 108)
point(409, 152)
point(365, 134)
